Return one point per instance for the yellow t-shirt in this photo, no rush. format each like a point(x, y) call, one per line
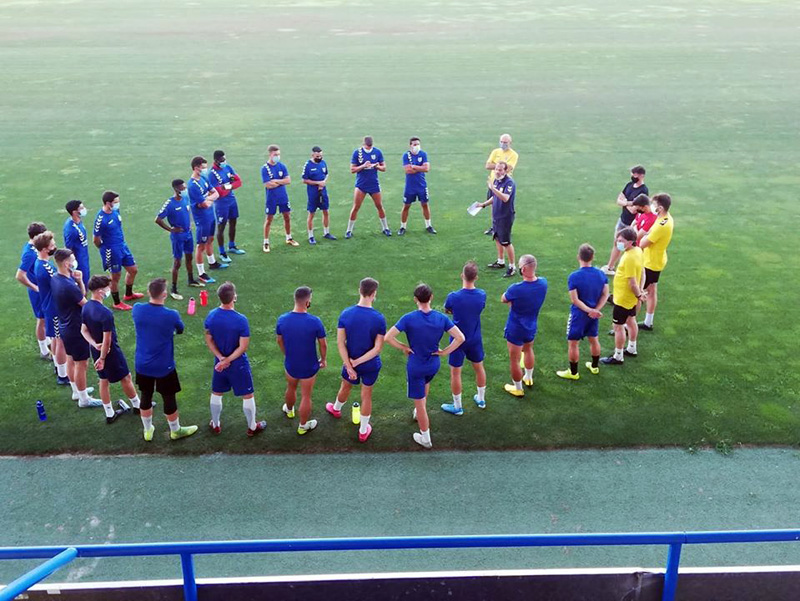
point(630, 266)
point(655, 255)
point(510, 156)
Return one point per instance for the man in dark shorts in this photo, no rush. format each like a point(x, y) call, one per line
point(503, 191)
point(156, 326)
point(625, 199)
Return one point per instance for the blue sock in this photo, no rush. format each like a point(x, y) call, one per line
point(231, 244)
point(222, 250)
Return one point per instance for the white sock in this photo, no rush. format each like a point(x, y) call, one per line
point(216, 408)
point(337, 405)
point(457, 401)
point(648, 321)
point(83, 397)
point(518, 385)
point(249, 408)
point(288, 237)
point(427, 223)
point(135, 402)
point(74, 388)
point(618, 354)
point(631, 346)
point(482, 393)
point(174, 425)
point(364, 424)
point(266, 240)
point(326, 229)
point(43, 347)
point(147, 422)
point(48, 340)
point(501, 261)
point(201, 268)
point(403, 224)
point(351, 225)
point(211, 259)
point(108, 409)
point(310, 233)
point(384, 223)
point(61, 370)
point(529, 373)
point(426, 435)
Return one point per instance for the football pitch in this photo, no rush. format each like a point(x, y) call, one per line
point(120, 95)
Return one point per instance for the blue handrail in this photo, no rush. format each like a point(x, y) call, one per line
point(186, 550)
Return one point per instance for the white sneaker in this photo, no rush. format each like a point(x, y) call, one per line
point(421, 441)
point(89, 390)
point(310, 425)
point(90, 403)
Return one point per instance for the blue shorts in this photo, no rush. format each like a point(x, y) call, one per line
point(238, 376)
point(273, 206)
point(302, 372)
point(317, 199)
point(36, 304)
point(116, 257)
point(472, 351)
point(182, 244)
point(412, 197)
point(227, 208)
point(519, 336)
point(75, 345)
point(367, 378)
point(51, 325)
point(417, 382)
point(372, 189)
point(204, 231)
point(581, 326)
point(115, 367)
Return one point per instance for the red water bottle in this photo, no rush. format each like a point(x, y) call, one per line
point(203, 298)
point(190, 311)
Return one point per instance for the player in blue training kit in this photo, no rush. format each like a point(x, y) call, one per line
point(298, 334)
point(26, 276)
point(503, 193)
point(315, 177)
point(275, 176)
point(365, 163)
point(359, 338)
point(415, 164)
point(424, 329)
point(225, 180)
point(75, 237)
point(588, 291)
point(114, 253)
point(156, 326)
point(227, 337)
point(98, 329)
point(466, 306)
point(177, 213)
point(525, 300)
point(201, 199)
point(69, 296)
point(44, 272)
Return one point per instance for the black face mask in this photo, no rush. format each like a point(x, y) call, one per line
point(51, 251)
point(317, 160)
point(634, 179)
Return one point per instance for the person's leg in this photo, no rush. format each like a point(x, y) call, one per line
point(422, 413)
point(176, 265)
point(310, 224)
point(358, 199)
point(426, 211)
point(41, 336)
point(500, 256)
point(514, 354)
point(79, 371)
point(377, 200)
point(130, 276)
point(306, 388)
point(105, 397)
point(326, 220)
point(619, 341)
point(287, 224)
point(530, 358)
point(633, 334)
point(115, 277)
point(221, 235)
point(574, 355)
point(249, 410)
point(267, 225)
point(344, 393)
point(232, 232)
point(130, 391)
point(404, 215)
point(652, 303)
point(290, 397)
point(189, 271)
point(594, 349)
point(455, 381)
point(70, 368)
point(511, 257)
point(198, 257)
point(146, 387)
point(59, 357)
point(215, 406)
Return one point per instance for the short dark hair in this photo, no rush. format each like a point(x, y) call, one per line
point(109, 196)
point(470, 271)
point(177, 183)
point(367, 286)
point(96, 282)
point(638, 170)
point(586, 252)
point(302, 293)
point(641, 201)
point(503, 163)
point(36, 228)
point(219, 154)
point(316, 149)
point(628, 233)
point(43, 240)
point(273, 148)
point(663, 200)
point(414, 139)
point(226, 292)
point(197, 161)
point(72, 206)
point(62, 254)
point(368, 140)
point(157, 287)
point(423, 293)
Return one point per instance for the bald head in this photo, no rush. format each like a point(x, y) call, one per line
point(527, 266)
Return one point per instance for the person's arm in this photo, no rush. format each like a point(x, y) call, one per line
point(601, 302)
point(633, 283)
point(458, 340)
point(371, 353)
point(391, 339)
point(490, 162)
point(380, 166)
point(279, 339)
point(22, 278)
point(162, 224)
point(225, 362)
point(341, 345)
point(323, 352)
point(212, 196)
point(179, 327)
point(212, 346)
point(503, 299)
point(88, 337)
point(651, 237)
point(593, 313)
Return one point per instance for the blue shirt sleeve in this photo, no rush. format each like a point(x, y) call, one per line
point(27, 260)
point(245, 330)
point(402, 323)
point(380, 156)
point(214, 178)
point(447, 323)
point(406, 158)
point(341, 320)
point(196, 196)
point(304, 175)
point(75, 295)
point(285, 170)
point(424, 156)
point(382, 327)
point(354, 159)
point(69, 236)
point(207, 321)
point(265, 174)
point(572, 282)
point(162, 214)
point(107, 321)
point(98, 222)
point(278, 327)
point(320, 329)
point(448, 303)
point(510, 293)
point(179, 327)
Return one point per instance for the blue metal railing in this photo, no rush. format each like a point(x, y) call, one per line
point(60, 556)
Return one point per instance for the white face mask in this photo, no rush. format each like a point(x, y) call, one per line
point(415, 149)
point(276, 158)
point(504, 145)
point(83, 212)
point(621, 246)
point(115, 205)
point(106, 292)
point(74, 264)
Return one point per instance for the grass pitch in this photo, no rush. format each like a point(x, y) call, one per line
point(121, 95)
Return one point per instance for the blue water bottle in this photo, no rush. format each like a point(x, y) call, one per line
point(40, 410)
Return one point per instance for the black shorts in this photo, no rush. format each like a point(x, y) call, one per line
point(167, 386)
point(502, 231)
point(650, 277)
point(621, 314)
point(75, 345)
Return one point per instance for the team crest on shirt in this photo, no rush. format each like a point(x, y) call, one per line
point(280, 173)
point(664, 222)
point(372, 156)
point(324, 170)
point(419, 159)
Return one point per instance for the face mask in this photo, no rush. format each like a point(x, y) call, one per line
point(276, 158)
point(74, 264)
point(106, 292)
point(115, 205)
point(654, 208)
point(223, 163)
point(83, 212)
point(504, 145)
point(319, 160)
point(634, 179)
point(51, 251)
point(415, 149)
point(621, 246)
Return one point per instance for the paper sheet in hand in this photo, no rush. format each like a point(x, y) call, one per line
point(474, 209)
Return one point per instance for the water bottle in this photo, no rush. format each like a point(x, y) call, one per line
point(190, 311)
point(203, 298)
point(40, 411)
point(356, 413)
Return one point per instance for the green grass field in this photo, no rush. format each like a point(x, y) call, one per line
point(121, 95)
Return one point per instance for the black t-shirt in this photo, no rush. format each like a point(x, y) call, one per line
point(630, 192)
point(67, 297)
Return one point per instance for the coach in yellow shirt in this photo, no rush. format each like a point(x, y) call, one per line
point(655, 245)
point(627, 295)
point(505, 154)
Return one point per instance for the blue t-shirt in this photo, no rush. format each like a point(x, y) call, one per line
point(99, 319)
point(424, 331)
point(589, 282)
point(362, 325)
point(415, 182)
point(504, 210)
point(198, 190)
point(177, 213)
point(277, 171)
point(226, 327)
point(155, 326)
point(108, 227)
point(315, 172)
point(300, 332)
point(27, 261)
point(466, 306)
point(45, 272)
point(219, 176)
point(66, 298)
point(368, 178)
point(526, 300)
point(77, 241)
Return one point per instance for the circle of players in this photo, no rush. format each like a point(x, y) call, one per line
point(71, 329)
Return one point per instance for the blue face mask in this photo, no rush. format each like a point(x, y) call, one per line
point(223, 163)
point(621, 246)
